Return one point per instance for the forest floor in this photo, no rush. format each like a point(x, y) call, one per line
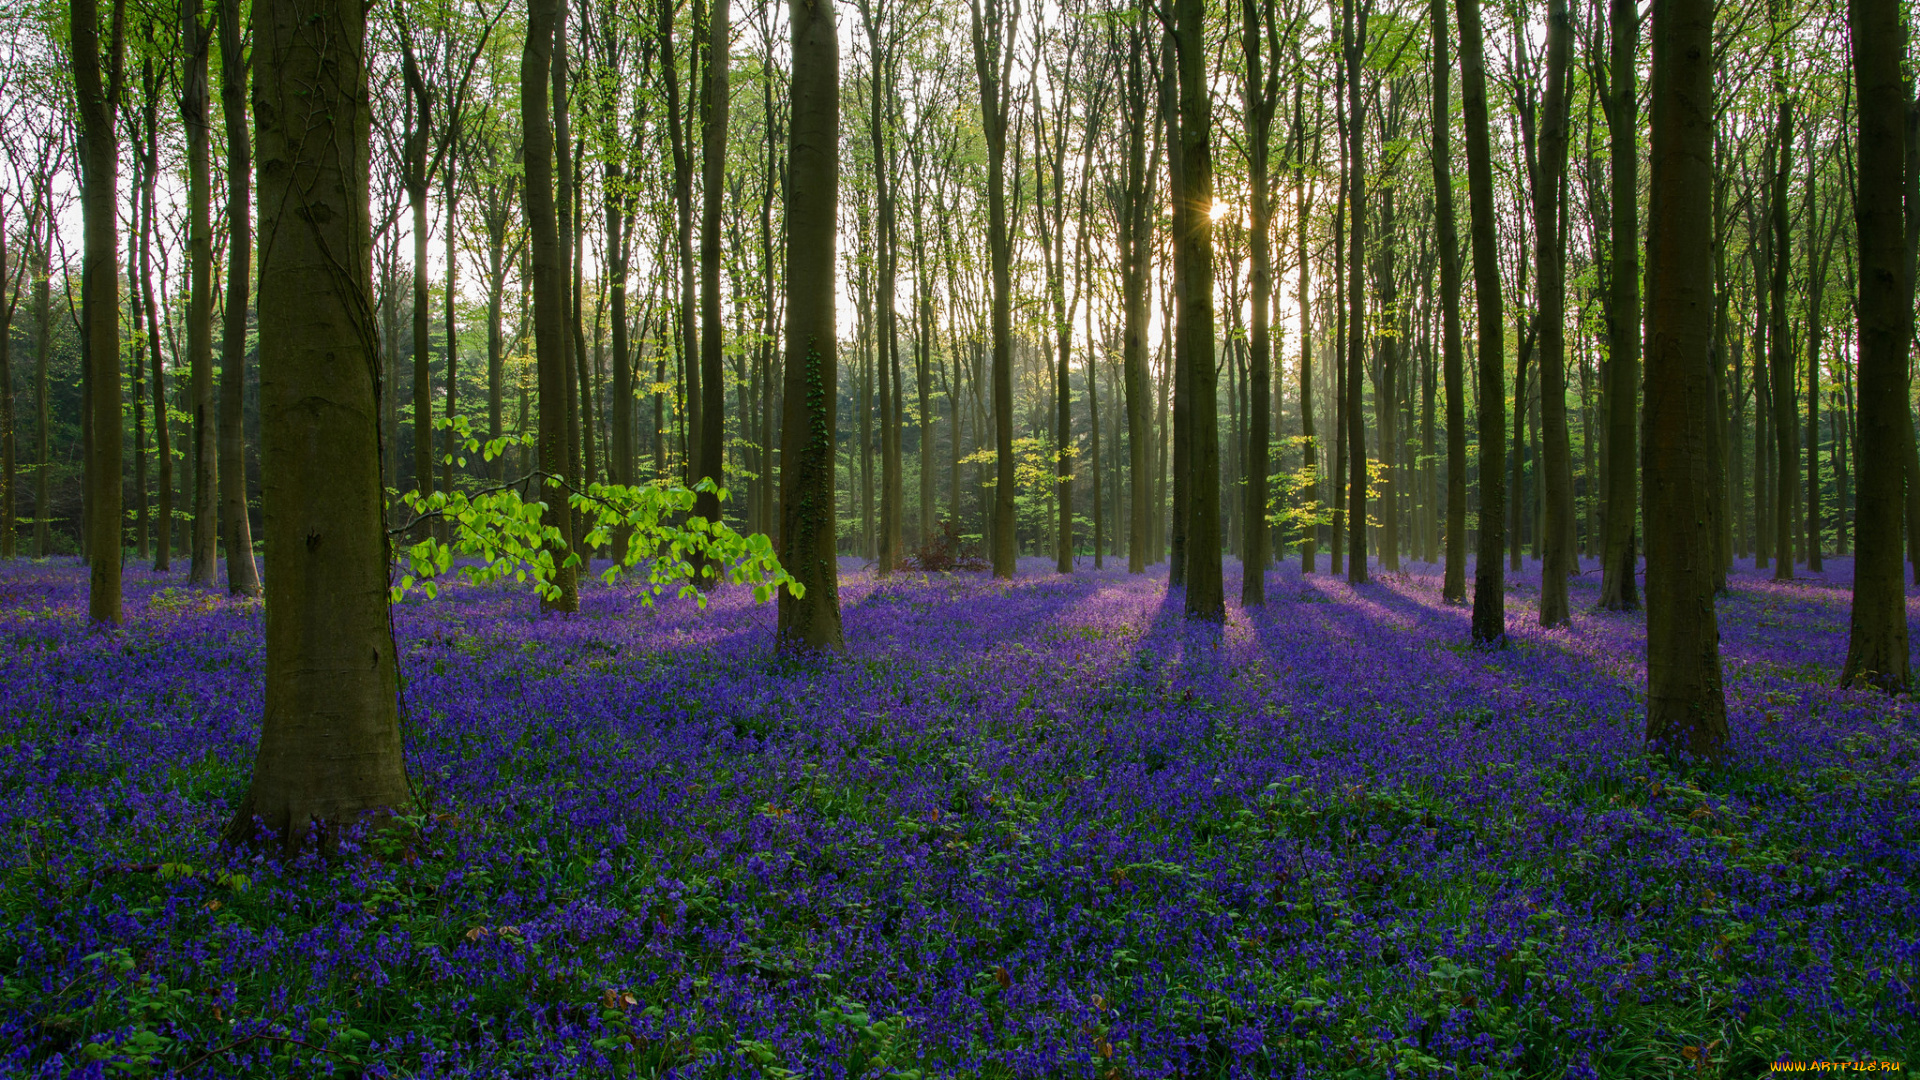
point(1038, 829)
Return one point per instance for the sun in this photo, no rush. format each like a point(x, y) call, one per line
point(1220, 210)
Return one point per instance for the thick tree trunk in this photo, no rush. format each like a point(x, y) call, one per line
point(1686, 707)
point(243, 576)
point(1877, 646)
point(544, 29)
point(811, 622)
point(330, 750)
point(1489, 581)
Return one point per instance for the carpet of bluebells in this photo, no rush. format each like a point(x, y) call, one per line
point(1039, 829)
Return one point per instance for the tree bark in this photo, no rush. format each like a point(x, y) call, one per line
point(243, 576)
point(98, 96)
point(206, 429)
point(1260, 94)
point(993, 50)
point(549, 282)
point(1686, 706)
point(1618, 588)
point(1489, 582)
point(1877, 646)
point(713, 184)
point(1550, 271)
point(811, 622)
point(1205, 587)
point(1354, 46)
point(1453, 587)
point(330, 750)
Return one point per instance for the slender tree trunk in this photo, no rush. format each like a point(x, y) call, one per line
point(330, 750)
point(1618, 589)
point(1780, 358)
point(206, 430)
point(713, 184)
point(1686, 707)
point(162, 426)
point(1205, 588)
point(1259, 102)
point(1489, 584)
point(811, 621)
point(98, 96)
point(1354, 44)
point(43, 419)
point(1453, 587)
point(544, 29)
point(1877, 647)
point(243, 576)
point(1550, 268)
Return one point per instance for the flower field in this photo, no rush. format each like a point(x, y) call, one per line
point(1045, 829)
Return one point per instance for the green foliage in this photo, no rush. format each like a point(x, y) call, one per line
point(505, 536)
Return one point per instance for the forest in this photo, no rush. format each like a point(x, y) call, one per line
point(903, 539)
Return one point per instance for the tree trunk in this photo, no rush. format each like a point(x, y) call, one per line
point(544, 29)
point(993, 32)
point(98, 96)
point(811, 621)
point(1354, 46)
point(713, 184)
point(1786, 429)
point(1686, 708)
point(1877, 648)
point(206, 431)
point(1453, 587)
point(243, 576)
point(330, 749)
point(1205, 587)
point(1489, 583)
point(1618, 588)
point(1550, 269)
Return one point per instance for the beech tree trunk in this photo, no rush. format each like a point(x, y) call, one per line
point(330, 751)
point(1453, 586)
point(993, 50)
point(243, 576)
point(1489, 573)
point(1877, 646)
point(1686, 706)
point(811, 622)
point(548, 257)
point(1619, 590)
point(1354, 46)
point(713, 185)
point(199, 257)
point(1205, 588)
point(1549, 271)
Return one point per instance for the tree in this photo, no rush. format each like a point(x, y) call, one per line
point(204, 550)
point(98, 93)
point(713, 186)
point(243, 577)
point(1353, 41)
point(1205, 588)
point(545, 27)
point(330, 751)
point(1619, 97)
point(993, 40)
point(811, 620)
point(1550, 274)
point(1132, 198)
point(1260, 93)
point(1877, 647)
point(1489, 575)
point(1686, 707)
point(1453, 586)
